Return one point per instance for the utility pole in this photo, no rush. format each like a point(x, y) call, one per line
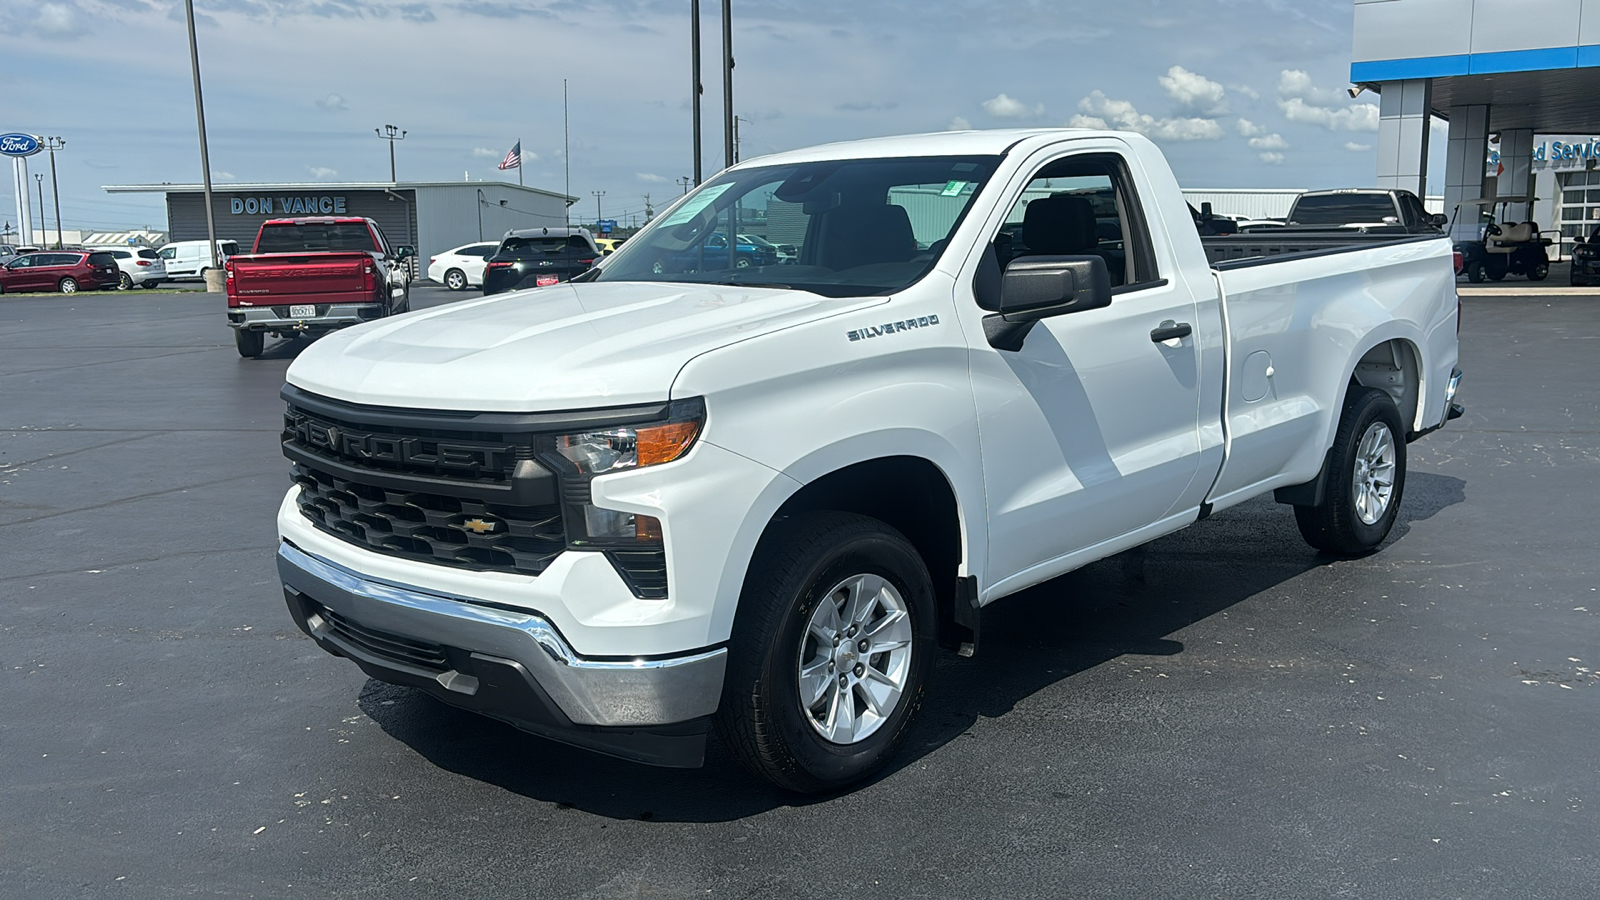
point(736, 149)
point(695, 88)
point(38, 178)
point(649, 211)
point(597, 196)
point(684, 183)
point(53, 144)
point(390, 134)
point(205, 157)
point(727, 83)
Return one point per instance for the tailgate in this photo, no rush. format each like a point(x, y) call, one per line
point(276, 278)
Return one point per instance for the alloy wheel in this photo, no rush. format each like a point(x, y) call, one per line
point(1374, 473)
point(854, 658)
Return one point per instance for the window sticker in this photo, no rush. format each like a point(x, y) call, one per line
point(952, 188)
point(694, 205)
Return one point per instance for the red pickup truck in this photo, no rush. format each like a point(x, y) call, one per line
point(309, 276)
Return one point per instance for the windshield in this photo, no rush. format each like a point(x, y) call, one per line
point(858, 228)
point(1342, 209)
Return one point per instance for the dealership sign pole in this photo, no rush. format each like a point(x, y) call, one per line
point(205, 157)
point(19, 147)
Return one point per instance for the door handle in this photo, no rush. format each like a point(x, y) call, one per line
point(1167, 331)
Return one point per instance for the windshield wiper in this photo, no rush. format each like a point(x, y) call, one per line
point(754, 284)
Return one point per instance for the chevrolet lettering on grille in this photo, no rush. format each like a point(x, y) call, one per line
point(366, 447)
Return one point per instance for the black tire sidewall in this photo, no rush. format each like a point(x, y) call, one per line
point(857, 546)
point(1368, 407)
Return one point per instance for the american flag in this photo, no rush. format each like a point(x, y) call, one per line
point(513, 159)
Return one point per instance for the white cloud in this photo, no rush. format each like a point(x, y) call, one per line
point(1297, 83)
point(320, 172)
point(223, 176)
point(1248, 128)
point(486, 153)
point(1100, 111)
point(1272, 141)
point(959, 124)
point(1355, 117)
point(1245, 90)
point(56, 19)
point(651, 177)
point(1004, 107)
point(1275, 159)
point(332, 101)
point(1195, 91)
point(1354, 147)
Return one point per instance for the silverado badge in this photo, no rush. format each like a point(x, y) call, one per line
point(481, 526)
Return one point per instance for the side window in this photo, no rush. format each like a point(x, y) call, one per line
point(1082, 205)
point(169, 252)
point(22, 262)
point(483, 250)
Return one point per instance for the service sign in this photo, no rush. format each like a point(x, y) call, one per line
point(18, 144)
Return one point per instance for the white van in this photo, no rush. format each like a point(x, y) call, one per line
point(190, 259)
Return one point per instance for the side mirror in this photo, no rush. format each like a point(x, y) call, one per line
point(405, 252)
point(1038, 287)
point(1438, 220)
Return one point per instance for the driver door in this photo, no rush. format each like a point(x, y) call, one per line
point(1090, 430)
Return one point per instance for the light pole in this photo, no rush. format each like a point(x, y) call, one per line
point(390, 134)
point(481, 202)
point(684, 183)
point(38, 178)
point(727, 83)
point(695, 88)
point(597, 196)
point(53, 144)
point(205, 157)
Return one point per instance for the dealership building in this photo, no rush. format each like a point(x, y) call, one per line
point(431, 216)
point(1519, 84)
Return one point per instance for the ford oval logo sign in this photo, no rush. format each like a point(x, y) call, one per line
point(18, 144)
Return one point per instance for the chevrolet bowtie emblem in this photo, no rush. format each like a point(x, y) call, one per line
point(480, 526)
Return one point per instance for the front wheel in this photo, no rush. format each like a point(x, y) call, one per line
point(250, 343)
point(1365, 480)
point(1539, 272)
point(1476, 272)
point(832, 644)
point(68, 285)
point(124, 282)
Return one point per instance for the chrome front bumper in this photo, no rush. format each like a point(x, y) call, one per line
point(509, 665)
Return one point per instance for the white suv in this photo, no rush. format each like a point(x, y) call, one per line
point(141, 267)
point(462, 267)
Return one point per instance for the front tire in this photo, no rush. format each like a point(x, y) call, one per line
point(124, 282)
point(1365, 481)
point(250, 343)
point(831, 648)
point(455, 280)
point(1540, 272)
point(1476, 273)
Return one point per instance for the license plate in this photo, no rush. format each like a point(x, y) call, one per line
point(302, 312)
point(546, 281)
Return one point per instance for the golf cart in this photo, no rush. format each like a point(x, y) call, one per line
point(1503, 248)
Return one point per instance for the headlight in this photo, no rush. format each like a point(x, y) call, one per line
point(599, 452)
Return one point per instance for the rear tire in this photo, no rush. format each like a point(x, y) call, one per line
point(250, 343)
point(1366, 478)
point(822, 587)
point(1540, 272)
point(1476, 272)
point(455, 280)
point(68, 285)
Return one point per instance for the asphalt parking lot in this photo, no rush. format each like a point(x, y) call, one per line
point(1225, 714)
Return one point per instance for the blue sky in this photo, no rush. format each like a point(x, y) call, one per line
point(1240, 93)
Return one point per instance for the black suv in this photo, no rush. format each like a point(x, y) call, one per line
point(536, 257)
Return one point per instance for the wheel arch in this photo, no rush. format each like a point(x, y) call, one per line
point(1391, 362)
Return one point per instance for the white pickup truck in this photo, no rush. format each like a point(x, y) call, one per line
point(620, 511)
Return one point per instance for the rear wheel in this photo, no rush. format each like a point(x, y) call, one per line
point(1539, 272)
point(68, 285)
point(742, 262)
point(124, 282)
point(1365, 480)
point(249, 343)
point(1476, 272)
point(455, 280)
point(1498, 275)
point(832, 644)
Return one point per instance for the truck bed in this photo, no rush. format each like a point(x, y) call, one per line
point(1234, 251)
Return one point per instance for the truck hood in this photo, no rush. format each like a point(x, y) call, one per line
point(568, 346)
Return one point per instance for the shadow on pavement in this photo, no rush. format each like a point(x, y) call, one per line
point(1125, 605)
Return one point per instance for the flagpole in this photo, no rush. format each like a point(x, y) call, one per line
point(566, 153)
point(519, 161)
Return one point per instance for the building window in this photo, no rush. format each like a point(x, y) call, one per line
point(1580, 203)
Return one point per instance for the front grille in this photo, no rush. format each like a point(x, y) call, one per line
point(382, 644)
point(430, 527)
point(471, 456)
